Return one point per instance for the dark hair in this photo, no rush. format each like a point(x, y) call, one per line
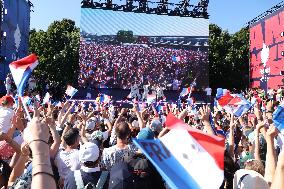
point(71, 136)
point(5, 171)
point(230, 167)
point(122, 130)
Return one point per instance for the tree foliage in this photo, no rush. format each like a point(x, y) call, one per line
point(229, 58)
point(125, 36)
point(58, 52)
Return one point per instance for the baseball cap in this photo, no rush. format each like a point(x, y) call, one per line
point(6, 100)
point(145, 133)
point(91, 123)
point(89, 152)
point(249, 179)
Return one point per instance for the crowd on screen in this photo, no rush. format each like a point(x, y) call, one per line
point(119, 66)
point(77, 141)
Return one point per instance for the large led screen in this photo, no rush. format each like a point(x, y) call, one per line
point(118, 49)
point(266, 47)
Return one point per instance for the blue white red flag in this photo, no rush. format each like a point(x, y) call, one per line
point(21, 71)
point(185, 91)
point(71, 91)
point(176, 58)
point(105, 99)
point(233, 103)
point(188, 165)
point(151, 98)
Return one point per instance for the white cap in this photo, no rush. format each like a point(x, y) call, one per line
point(91, 123)
point(89, 152)
point(249, 179)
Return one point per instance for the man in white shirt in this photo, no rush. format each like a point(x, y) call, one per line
point(176, 84)
point(67, 159)
point(208, 91)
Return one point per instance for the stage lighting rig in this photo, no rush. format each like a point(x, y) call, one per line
point(129, 6)
point(142, 7)
point(184, 8)
point(162, 7)
point(200, 11)
point(86, 3)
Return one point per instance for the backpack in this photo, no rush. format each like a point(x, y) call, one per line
point(80, 183)
point(135, 173)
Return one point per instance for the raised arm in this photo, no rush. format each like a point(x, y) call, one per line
point(66, 114)
point(270, 154)
point(37, 135)
point(259, 126)
point(278, 181)
point(231, 140)
point(138, 114)
point(107, 122)
point(20, 164)
point(204, 116)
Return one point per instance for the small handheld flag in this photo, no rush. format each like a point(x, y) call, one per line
point(71, 91)
point(21, 71)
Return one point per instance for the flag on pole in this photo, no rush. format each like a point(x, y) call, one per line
point(188, 165)
point(21, 71)
point(71, 91)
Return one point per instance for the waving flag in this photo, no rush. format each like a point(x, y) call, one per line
point(71, 91)
point(176, 58)
point(46, 98)
point(105, 99)
point(58, 104)
point(185, 91)
point(27, 100)
point(37, 97)
point(278, 118)
point(151, 98)
point(21, 71)
point(232, 103)
point(188, 165)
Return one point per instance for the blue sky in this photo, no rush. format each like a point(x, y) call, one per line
point(234, 14)
point(229, 14)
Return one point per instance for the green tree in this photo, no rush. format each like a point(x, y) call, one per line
point(228, 58)
point(125, 36)
point(58, 52)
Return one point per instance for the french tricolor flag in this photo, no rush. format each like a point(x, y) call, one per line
point(71, 91)
point(21, 71)
point(185, 91)
point(186, 157)
point(151, 98)
point(105, 99)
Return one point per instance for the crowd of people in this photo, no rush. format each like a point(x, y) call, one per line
point(119, 66)
point(80, 146)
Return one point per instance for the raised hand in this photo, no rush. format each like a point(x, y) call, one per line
point(272, 131)
point(205, 113)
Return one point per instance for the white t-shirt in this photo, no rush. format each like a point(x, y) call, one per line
point(208, 91)
point(175, 84)
point(66, 162)
point(6, 115)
